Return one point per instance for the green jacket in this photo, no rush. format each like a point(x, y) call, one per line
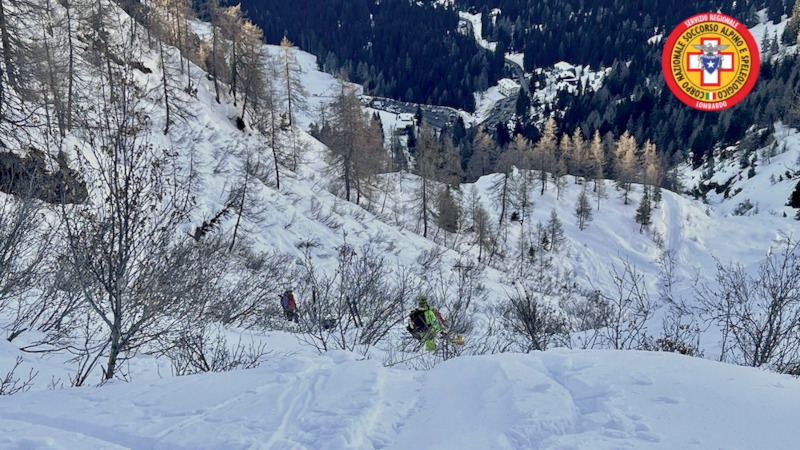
point(432, 320)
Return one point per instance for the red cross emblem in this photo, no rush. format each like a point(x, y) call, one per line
point(696, 61)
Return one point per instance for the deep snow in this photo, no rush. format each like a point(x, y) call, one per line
point(559, 399)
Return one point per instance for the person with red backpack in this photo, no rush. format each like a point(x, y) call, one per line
point(424, 323)
point(289, 306)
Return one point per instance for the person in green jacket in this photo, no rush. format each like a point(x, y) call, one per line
point(424, 323)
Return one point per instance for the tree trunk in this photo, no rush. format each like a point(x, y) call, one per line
point(288, 90)
point(275, 151)
point(5, 39)
point(70, 65)
point(213, 61)
point(347, 177)
point(166, 89)
point(113, 353)
point(234, 63)
point(503, 198)
point(424, 207)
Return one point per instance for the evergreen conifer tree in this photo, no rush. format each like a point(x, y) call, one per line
point(555, 231)
point(583, 210)
point(644, 211)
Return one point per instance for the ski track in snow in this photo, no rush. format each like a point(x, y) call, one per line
point(671, 214)
point(558, 399)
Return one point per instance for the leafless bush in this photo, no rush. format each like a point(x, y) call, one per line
point(24, 246)
point(355, 307)
point(588, 314)
point(759, 314)
point(534, 323)
point(12, 384)
point(207, 349)
point(243, 291)
point(630, 308)
point(456, 291)
point(680, 329)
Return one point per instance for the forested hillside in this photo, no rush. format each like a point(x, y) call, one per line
point(635, 98)
point(430, 62)
point(410, 51)
point(598, 33)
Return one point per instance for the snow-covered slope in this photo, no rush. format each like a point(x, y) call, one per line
point(303, 211)
point(297, 399)
point(557, 399)
point(766, 188)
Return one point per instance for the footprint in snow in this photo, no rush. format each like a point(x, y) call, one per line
point(668, 400)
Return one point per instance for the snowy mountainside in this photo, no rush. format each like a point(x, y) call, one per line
point(299, 399)
point(303, 211)
point(759, 183)
point(555, 399)
point(303, 215)
point(688, 228)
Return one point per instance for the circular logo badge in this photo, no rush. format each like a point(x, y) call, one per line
point(710, 61)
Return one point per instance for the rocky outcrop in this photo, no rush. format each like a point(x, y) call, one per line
point(31, 176)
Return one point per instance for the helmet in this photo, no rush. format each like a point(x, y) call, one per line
point(422, 300)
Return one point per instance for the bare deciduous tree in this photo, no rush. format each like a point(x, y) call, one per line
point(427, 161)
point(120, 244)
point(583, 210)
point(291, 72)
point(356, 144)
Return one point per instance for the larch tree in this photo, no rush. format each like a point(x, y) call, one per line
point(521, 188)
point(626, 163)
point(295, 92)
point(231, 25)
point(427, 161)
point(544, 152)
point(216, 57)
point(501, 189)
point(48, 67)
point(448, 210)
point(371, 157)
point(596, 157)
point(291, 72)
point(252, 65)
point(450, 171)
point(356, 144)
point(595, 166)
point(566, 153)
point(580, 154)
point(483, 156)
point(263, 111)
point(560, 168)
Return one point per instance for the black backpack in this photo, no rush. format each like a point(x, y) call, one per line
point(417, 318)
